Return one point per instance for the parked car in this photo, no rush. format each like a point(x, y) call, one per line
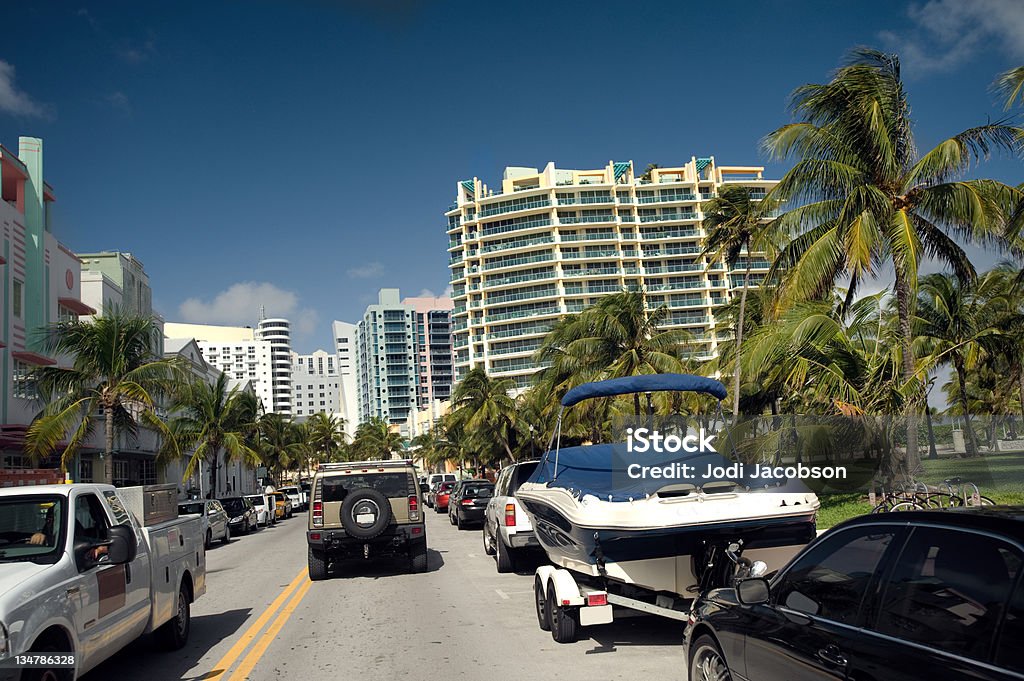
point(305, 486)
point(920, 595)
point(281, 505)
point(440, 496)
point(441, 477)
point(507, 529)
point(241, 514)
point(264, 512)
point(289, 510)
point(214, 521)
point(83, 578)
point(294, 495)
point(468, 501)
point(365, 510)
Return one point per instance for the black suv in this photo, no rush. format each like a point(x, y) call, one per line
point(365, 509)
point(916, 595)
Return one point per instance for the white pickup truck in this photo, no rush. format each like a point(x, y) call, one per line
point(86, 569)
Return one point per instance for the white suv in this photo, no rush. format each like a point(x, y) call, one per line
point(507, 529)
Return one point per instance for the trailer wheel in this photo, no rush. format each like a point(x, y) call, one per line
point(539, 601)
point(565, 620)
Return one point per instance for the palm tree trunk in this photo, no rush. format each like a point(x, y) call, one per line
point(911, 458)
point(932, 452)
point(739, 347)
point(1020, 377)
point(961, 376)
point(108, 449)
point(213, 475)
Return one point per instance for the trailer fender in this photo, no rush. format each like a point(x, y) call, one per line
point(544, 576)
point(567, 592)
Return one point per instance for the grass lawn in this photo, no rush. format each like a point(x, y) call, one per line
point(998, 476)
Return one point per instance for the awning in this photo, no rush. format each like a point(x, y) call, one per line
point(76, 306)
point(33, 358)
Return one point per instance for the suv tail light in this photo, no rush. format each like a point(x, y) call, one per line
point(466, 502)
point(510, 515)
point(318, 514)
point(414, 507)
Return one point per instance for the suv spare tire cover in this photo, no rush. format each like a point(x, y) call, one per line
point(365, 513)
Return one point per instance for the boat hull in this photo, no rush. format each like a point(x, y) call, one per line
point(662, 558)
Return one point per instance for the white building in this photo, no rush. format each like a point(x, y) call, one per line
point(316, 385)
point(279, 334)
point(237, 352)
point(345, 348)
point(551, 242)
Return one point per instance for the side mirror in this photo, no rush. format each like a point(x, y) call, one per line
point(752, 591)
point(122, 547)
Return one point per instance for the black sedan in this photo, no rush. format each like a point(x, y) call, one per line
point(917, 595)
point(242, 517)
point(468, 502)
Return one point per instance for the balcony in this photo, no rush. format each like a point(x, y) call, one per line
point(606, 253)
point(516, 226)
point(546, 292)
point(518, 243)
point(548, 256)
point(505, 281)
point(593, 272)
point(585, 219)
point(672, 250)
point(513, 206)
point(669, 234)
point(602, 236)
point(665, 217)
point(662, 269)
point(519, 314)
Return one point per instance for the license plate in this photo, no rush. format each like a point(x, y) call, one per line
point(365, 518)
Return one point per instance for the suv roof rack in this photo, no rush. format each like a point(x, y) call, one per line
point(388, 463)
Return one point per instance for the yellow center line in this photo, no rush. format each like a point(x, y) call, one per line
point(241, 644)
point(269, 635)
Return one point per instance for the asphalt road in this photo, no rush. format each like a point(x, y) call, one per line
point(261, 619)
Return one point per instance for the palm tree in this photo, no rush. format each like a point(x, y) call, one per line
point(953, 324)
point(211, 420)
point(617, 336)
point(376, 440)
point(863, 198)
point(1011, 85)
point(281, 445)
point(736, 223)
point(114, 375)
point(647, 171)
point(481, 405)
point(326, 435)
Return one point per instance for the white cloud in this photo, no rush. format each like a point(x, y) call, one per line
point(13, 100)
point(367, 271)
point(946, 33)
point(119, 102)
point(240, 303)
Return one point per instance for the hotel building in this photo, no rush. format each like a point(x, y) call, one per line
point(316, 386)
point(552, 242)
point(434, 345)
point(386, 360)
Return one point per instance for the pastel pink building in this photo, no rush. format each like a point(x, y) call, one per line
point(434, 348)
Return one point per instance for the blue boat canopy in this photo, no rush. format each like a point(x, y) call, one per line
point(644, 384)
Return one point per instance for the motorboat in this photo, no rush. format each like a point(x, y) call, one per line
point(593, 517)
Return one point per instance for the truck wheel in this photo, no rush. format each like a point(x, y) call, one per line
point(541, 603)
point(504, 558)
point(488, 549)
point(317, 565)
point(174, 633)
point(209, 539)
point(227, 536)
point(418, 560)
point(565, 622)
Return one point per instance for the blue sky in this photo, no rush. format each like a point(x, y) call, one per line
point(301, 154)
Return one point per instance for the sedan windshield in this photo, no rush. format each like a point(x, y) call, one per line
point(233, 506)
point(31, 528)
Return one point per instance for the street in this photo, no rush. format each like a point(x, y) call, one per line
point(261, 618)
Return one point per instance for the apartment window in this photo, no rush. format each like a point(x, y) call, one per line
point(17, 298)
point(23, 384)
point(84, 470)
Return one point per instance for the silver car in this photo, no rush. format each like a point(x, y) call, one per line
point(214, 519)
point(507, 528)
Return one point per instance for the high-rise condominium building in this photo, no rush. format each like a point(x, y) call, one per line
point(348, 400)
point(279, 333)
point(386, 360)
point(552, 242)
point(434, 345)
point(316, 385)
